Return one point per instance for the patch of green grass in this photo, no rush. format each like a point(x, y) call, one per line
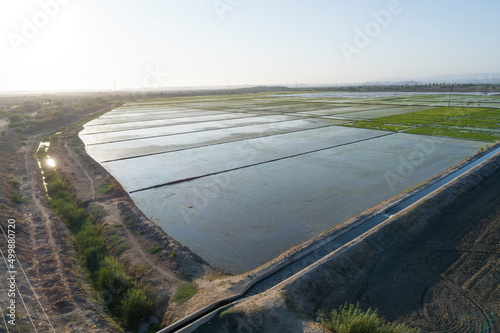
point(130, 222)
point(4, 206)
point(115, 237)
point(17, 198)
point(107, 188)
point(467, 123)
point(154, 249)
point(184, 292)
point(13, 181)
point(115, 229)
point(377, 126)
point(114, 241)
point(121, 248)
point(74, 216)
point(231, 311)
point(134, 306)
point(456, 133)
point(91, 245)
point(184, 277)
point(485, 119)
point(97, 211)
point(112, 281)
point(349, 318)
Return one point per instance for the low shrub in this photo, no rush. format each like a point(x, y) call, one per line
point(91, 244)
point(14, 182)
point(184, 292)
point(113, 282)
point(17, 198)
point(350, 318)
point(107, 188)
point(154, 249)
point(135, 305)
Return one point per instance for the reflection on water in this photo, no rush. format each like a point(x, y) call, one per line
point(51, 163)
point(43, 159)
point(238, 192)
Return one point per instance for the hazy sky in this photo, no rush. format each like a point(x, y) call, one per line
point(91, 44)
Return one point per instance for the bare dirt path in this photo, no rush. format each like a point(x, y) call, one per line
point(91, 181)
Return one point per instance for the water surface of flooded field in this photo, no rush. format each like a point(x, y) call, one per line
point(240, 182)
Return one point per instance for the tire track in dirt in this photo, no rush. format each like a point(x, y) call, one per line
point(475, 321)
point(455, 317)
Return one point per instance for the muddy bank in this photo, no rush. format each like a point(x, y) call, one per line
point(434, 266)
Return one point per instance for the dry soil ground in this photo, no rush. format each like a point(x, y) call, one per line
point(448, 278)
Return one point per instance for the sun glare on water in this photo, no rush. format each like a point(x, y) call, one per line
point(51, 163)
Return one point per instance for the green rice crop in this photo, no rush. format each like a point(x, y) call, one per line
point(467, 123)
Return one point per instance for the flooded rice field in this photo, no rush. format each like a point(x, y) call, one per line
point(241, 180)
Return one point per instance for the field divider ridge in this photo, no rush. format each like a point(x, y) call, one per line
point(255, 164)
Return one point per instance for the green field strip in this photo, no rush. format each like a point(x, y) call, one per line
point(467, 123)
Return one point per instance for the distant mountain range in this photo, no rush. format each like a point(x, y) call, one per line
point(475, 78)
